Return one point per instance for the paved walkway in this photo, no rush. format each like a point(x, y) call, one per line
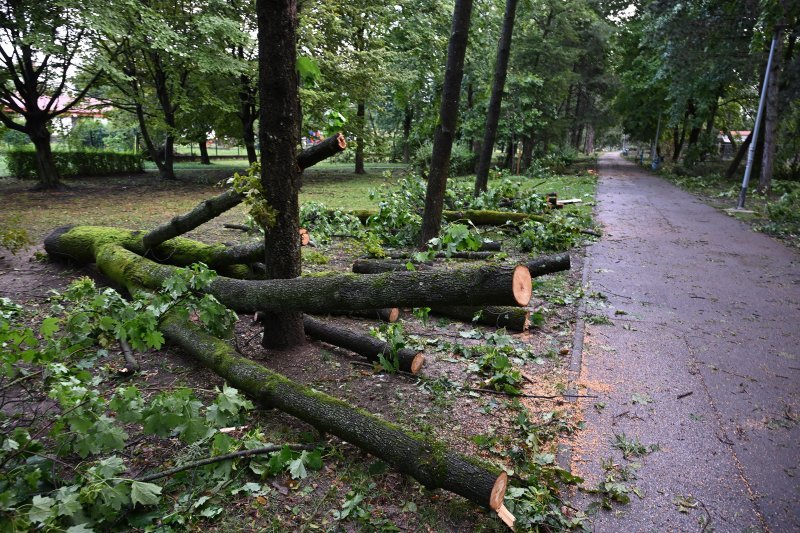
point(703, 359)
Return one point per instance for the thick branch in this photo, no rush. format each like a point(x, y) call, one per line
point(369, 347)
point(214, 207)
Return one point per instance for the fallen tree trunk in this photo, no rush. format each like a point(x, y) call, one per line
point(372, 266)
point(213, 207)
point(388, 314)
point(539, 266)
point(475, 256)
point(511, 318)
point(485, 285)
point(548, 264)
point(408, 360)
point(425, 459)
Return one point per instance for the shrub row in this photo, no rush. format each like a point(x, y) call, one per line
point(21, 163)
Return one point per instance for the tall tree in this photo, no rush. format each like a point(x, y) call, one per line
point(280, 175)
point(493, 114)
point(41, 43)
point(448, 117)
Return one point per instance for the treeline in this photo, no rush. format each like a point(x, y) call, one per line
point(698, 67)
point(175, 72)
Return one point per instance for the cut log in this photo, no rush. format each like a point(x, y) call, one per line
point(475, 256)
point(548, 264)
point(321, 151)
point(511, 318)
point(213, 207)
point(372, 266)
point(425, 459)
point(477, 286)
point(364, 345)
point(388, 314)
point(539, 266)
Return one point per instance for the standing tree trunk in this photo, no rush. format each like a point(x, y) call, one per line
point(508, 159)
point(740, 153)
point(771, 118)
point(448, 116)
point(407, 118)
point(361, 125)
point(45, 166)
point(527, 152)
point(204, 160)
point(493, 114)
point(280, 174)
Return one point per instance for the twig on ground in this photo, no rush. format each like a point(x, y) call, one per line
point(225, 457)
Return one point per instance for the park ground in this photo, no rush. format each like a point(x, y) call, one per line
point(670, 328)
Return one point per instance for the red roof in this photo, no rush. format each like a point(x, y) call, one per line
point(87, 107)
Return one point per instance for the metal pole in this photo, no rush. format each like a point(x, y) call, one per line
point(751, 150)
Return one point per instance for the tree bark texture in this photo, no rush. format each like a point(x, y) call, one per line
point(511, 318)
point(364, 345)
point(280, 174)
point(484, 285)
point(425, 459)
point(45, 166)
point(495, 101)
point(372, 266)
point(387, 314)
point(361, 125)
point(448, 117)
point(771, 118)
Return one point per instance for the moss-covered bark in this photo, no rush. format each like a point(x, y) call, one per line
point(423, 458)
point(475, 286)
point(511, 318)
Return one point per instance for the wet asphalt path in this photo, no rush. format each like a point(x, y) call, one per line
point(703, 359)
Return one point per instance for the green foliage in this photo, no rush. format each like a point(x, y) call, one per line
point(13, 237)
point(249, 185)
point(561, 232)
point(323, 223)
point(21, 163)
point(462, 160)
point(394, 336)
point(784, 214)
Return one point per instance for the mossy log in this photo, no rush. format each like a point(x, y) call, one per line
point(511, 318)
point(477, 217)
point(213, 207)
point(79, 244)
point(423, 458)
point(485, 285)
point(364, 345)
point(378, 266)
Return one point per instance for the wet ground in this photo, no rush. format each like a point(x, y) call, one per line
point(701, 362)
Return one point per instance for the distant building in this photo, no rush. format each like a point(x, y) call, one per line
point(86, 108)
point(726, 147)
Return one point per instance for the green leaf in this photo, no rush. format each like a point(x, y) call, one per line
point(49, 327)
point(145, 493)
point(297, 469)
point(308, 69)
point(41, 509)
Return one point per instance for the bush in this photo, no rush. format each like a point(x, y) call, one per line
point(462, 160)
point(21, 163)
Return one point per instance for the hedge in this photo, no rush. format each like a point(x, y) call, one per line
point(21, 162)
